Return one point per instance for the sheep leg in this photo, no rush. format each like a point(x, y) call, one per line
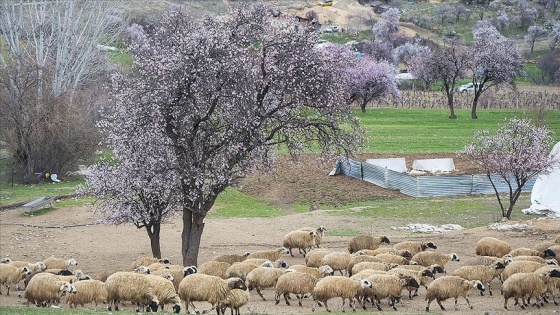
point(286, 299)
point(260, 294)
point(505, 302)
point(300, 300)
point(468, 303)
point(441, 306)
point(489, 289)
point(290, 250)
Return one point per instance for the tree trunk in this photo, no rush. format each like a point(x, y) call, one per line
point(193, 226)
point(363, 106)
point(474, 104)
point(153, 232)
point(451, 106)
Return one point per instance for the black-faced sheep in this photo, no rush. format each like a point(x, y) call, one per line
point(272, 255)
point(165, 291)
point(320, 233)
point(12, 275)
point(520, 266)
point(59, 263)
point(360, 242)
point(532, 252)
point(447, 287)
point(298, 283)
point(490, 246)
point(204, 288)
point(235, 300)
point(263, 277)
point(414, 247)
point(147, 260)
point(318, 272)
point(214, 268)
point(483, 273)
point(388, 286)
point(314, 257)
point(337, 286)
point(232, 258)
point(432, 258)
point(422, 277)
point(45, 288)
point(5, 260)
point(302, 240)
point(91, 291)
point(130, 286)
point(526, 284)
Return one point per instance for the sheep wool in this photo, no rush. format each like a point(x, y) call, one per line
point(148, 260)
point(175, 271)
point(422, 277)
point(54, 263)
point(199, 287)
point(388, 286)
point(91, 291)
point(263, 277)
point(272, 255)
point(45, 288)
point(358, 259)
point(214, 268)
point(130, 286)
point(318, 272)
point(360, 242)
point(235, 300)
point(526, 284)
point(532, 252)
point(364, 265)
point(302, 240)
point(557, 239)
point(338, 261)
point(484, 274)
point(320, 233)
point(393, 259)
point(337, 286)
point(447, 287)
point(490, 246)
point(298, 283)
point(12, 275)
point(432, 258)
point(414, 247)
point(520, 266)
point(232, 258)
point(314, 257)
point(240, 270)
point(542, 246)
point(37, 266)
point(165, 292)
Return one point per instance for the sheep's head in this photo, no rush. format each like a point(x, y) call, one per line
point(67, 287)
point(406, 254)
point(429, 245)
point(428, 273)
point(41, 265)
point(282, 264)
point(411, 282)
point(554, 273)
point(454, 257)
point(549, 253)
point(189, 270)
point(236, 283)
point(385, 240)
point(66, 272)
point(71, 262)
point(552, 262)
point(479, 286)
point(167, 276)
point(437, 269)
point(284, 250)
point(6, 260)
point(142, 269)
point(365, 284)
point(154, 303)
point(177, 308)
point(321, 229)
point(26, 271)
point(165, 261)
point(499, 265)
point(326, 270)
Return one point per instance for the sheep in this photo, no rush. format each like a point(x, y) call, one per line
point(490, 246)
point(320, 233)
point(298, 283)
point(263, 277)
point(54, 263)
point(214, 290)
point(130, 286)
point(12, 275)
point(45, 288)
point(553, 283)
point(360, 242)
point(527, 284)
point(388, 286)
point(314, 257)
point(520, 266)
point(242, 269)
point(165, 291)
point(147, 260)
point(542, 246)
point(421, 276)
point(393, 259)
point(214, 268)
point(359, 259)
point(5, 260)
point(338, 261)
point(176, 272)
point(431, 258)
point(557, 239)
point(232, 258)
point(483, 273)
point(556, 250)
point(535, 259)
point(272, 255)
point(63, 272)
point(370, 265)
point(435, 268)
point(142, 270)
point(337, 286)
point(318, 272)
point(260, 261)
point(414, 247)
point(302, 240)
point(447, 287)
point(87, 292)
point(488, 260)
point(532, 252)
point(157, 265)
point(37, 266)
point(236, 299)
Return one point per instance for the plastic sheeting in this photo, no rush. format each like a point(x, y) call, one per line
point(545, 196)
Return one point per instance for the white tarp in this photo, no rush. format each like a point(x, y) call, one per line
point(395, 164)
point(434, 165)
point(545, 196)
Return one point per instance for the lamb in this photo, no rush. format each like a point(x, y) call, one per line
point(232, 258)
point(272, 255)
point(12, 275)
point(315, 256)
point(130, 286)
point(214, 290)
point(422, 277)
point(484, 274)
point(388, 286)
point(302, 240)
point(358, 259)
point(338, 261)
point(520, 266)
point(235, 300)
point(91, 291)
point(431, 258)
point(318, 272)
point(490, 246)
point(165, 291)
point(54, 263)
point(526, 284)
point(45, 288)
point(214, 268)
point(320, 233)
point(337, 286)
point(447, 287)
point(298, 283)
point(263, 277)
point(414, 247)
point(532, 252)
point(360, 242)
point(147, 260)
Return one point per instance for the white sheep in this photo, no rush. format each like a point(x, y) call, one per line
point(358, 259)
point(148, 260)
point(414, 247)
point(314, 257)
point(165, 291)
point(272, 255)
point(263, 277)
point(320, 233)
point(526, 284)
point(59, 263)
point(393, 259)
point(45, 288)
point(553, 285)
point(338, 261)
point(232, 258)
point(302, 240)
point(422, 277)
point(370, 265)
point(483, 273)
point(242, 269)
point(431, 258)
point(388, 286)
point(447, 287)
point(491, 246)
point(337, 286)
point(12, 275)
point(33, 267)
point(91, 291)
point(488, 260)
point(318, 272)
point(298, 283)
point(360, 242)
point(520, 266)
point(130, 286)
point(204, 288)
point(176, 271)
point(214, 268)
point(235, 300)
point(532, 252)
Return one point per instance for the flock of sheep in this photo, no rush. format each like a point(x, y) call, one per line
point(367, 274)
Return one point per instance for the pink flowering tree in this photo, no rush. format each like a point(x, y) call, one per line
point(220, 96)
point(516, 153)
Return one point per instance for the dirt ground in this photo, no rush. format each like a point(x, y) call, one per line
point(72, 233)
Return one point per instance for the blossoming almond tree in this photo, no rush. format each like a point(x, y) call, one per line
point(219, 96)
point(517, 152)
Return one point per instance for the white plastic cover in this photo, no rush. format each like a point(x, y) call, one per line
point(545, 196)
point(395, 164)
point(434, 165)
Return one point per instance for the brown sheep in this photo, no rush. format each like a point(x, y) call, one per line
point(490, 246)
point(447, 287)
point(360, 242)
